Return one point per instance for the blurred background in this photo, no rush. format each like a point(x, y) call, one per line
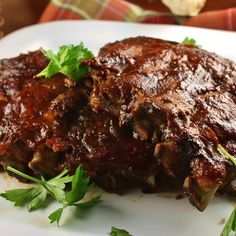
point(19, 13)
point(15, 14)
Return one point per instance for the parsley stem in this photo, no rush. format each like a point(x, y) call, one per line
point(17, 172)
point(41, 182)
point(36, 196)
point(226, 154)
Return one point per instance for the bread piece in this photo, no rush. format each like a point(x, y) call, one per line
point(185, 7)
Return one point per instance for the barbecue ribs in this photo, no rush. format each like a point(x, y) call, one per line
point(150, 115)
point(47, 125)
point(178, 97)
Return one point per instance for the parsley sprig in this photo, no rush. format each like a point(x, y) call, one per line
point(119, 232)
point(67, 62)
point(230, 225)
point(190, 41)
point(36, 197)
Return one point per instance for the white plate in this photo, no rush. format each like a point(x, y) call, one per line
point(141, 215)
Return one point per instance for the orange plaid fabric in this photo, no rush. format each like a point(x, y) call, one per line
point(117, 10)
point(121, 10)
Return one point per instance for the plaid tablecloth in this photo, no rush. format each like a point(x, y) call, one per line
point(120, 10)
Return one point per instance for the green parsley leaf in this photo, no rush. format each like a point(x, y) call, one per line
point(230, 225)
point(80, 185)
point(190, 41)
point(57, 185)
point(18, 196)
point(40, 196)
point(226, 154)
point(63, 177)
point(119, 232)
point(89, 203)
point(56, 216)
point(36, 197)
point(67, 62)
point(49, 54)
point(57, 191)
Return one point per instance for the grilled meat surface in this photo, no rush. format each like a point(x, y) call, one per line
point(178, 97)
point(48, 124)
point(33, 110)
point(150, 115)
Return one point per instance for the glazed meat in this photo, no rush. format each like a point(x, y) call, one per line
point(47, 125)
point(178, 97)
point(32, 111)
point(150, 114)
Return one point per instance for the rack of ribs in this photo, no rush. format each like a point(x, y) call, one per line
point(150, 114)
point(47, 125)
point(178, 97)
